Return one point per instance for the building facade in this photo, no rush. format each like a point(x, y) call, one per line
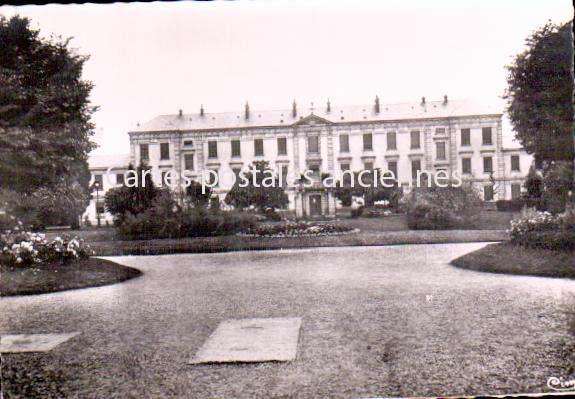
point(451, 136)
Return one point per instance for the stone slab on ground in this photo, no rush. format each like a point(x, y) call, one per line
point(19, 343)
point(251, 340)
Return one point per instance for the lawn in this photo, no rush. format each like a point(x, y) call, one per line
point(91, 272)
point(391, 230)
point(512, 259)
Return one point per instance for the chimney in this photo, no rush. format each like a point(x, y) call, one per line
point(422, 100)
point(294, 109)
point(328, 106)
point(376, 104)
point(202, 110)
point(445, 99)
point(247, 110)
point(180, 113)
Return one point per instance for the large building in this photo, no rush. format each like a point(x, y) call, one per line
point(452, 136)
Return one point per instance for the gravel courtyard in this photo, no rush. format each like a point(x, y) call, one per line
point(377, 321)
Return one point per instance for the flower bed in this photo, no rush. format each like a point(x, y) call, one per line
point(544, 230)
point(297, 229)
point(21, 248)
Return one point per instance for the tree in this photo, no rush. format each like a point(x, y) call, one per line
point(540, 94)
point(196, 197)
point(262, 190)
point(45, 123)
point(371, 190)
point(533, 185)
point(136, 196)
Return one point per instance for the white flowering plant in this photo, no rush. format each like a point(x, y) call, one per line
point(544, 230)
point(21, 248)
point(297, 229)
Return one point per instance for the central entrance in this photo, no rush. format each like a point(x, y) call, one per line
point(315, 205)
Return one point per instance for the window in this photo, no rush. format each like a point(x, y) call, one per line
point(212, 149)
point(164, 151)
point(166, 179)
point(466, 166)
point(212, 178)
point(346, 178)
point(284, 175)
point(515, 167)
point(120, 179)
point(368, 165)
point(440, 150)
point(343, 143)
point(188, 143)
point(486, 135)
point(344, 166)
point(440, 130)
point(391, 141)
point(415, 167)
point(189, 161)
point(487, 165)
point(465, 137)
point(315, 175)
point(367, 142)
point(99, 179)
point(415, 140)
point(313, 144)
point(515, 191)
point(488, 193)
point(282, 146)
point(258, 147)
point(236, 148)
point(392, 167)
point(144, 152)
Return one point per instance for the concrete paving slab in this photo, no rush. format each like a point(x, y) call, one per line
point(251, 340)
point(18, 343)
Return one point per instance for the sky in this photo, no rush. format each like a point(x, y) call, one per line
point(148, 59)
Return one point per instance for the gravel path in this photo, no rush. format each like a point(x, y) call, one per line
point(377, 321)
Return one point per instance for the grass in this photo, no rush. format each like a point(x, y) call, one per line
point(512, 259)
point(91, 272)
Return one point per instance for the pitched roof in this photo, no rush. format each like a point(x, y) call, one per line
point(221, 120)
point(106, 161)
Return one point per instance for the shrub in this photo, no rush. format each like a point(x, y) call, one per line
point(22, 248)
point(437, 208)
point(543, 230)
point(558, 182)
point(357, 212)
point(516, 205)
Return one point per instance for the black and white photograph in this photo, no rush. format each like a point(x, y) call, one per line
point(287, 199)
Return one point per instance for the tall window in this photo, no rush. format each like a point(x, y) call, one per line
point(368, 166)
point(282, 146)
point(346, 177)
point(415, 167)
point(236, 148)
point(313, 144)
point(213, 178)
point(120, 179)
point(166, 178)
point(284, 175)
point(189, 161)
point(487, 164)
point(100, 180)
point(258, 147)
point(515, 191)
point(515, 166)
point(465, 137)
point(392, 167)
point(466, 166)
point(440, 150)
point(367, 142)
point(487, 136)
point(415, 139)
point(343, 143)
point(488, 193)
point(144, 153)
point(212, 149)
point(391, 141)
point(164, 151)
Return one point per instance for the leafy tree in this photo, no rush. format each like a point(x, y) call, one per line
point(540, 93)
point(533, 184)
point(136, 196)
point(196, 197)
point(371, 189)
point(262, 190)
point(558, 183)
point(45, 113)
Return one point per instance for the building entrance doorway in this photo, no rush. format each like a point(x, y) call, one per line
point(315, 205)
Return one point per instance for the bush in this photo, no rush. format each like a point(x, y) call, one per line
point(558, 182)
point(158, 223)
point(297, 229)
point(439, 208)
point(22, 248)
point(516, 205)
point(543, 230)
point(356, 212)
